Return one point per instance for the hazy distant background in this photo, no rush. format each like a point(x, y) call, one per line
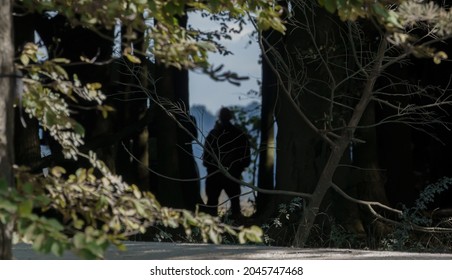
point(244, 61)
point(208, 96)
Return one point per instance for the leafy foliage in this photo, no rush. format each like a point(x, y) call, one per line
point(94, 212)
point(399, 19)
point(355, 9)
point(275, 229)
point(173, 45)
point(402, 237)
point(94, 208)
point(46, 89)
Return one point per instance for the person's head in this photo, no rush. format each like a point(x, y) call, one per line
point(225, 115)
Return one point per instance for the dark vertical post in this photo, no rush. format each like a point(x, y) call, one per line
point(7, 81)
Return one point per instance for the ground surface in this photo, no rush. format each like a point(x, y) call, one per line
point(165, 251)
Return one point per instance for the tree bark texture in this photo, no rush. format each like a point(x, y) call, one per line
point(267, 149)
point(27, 150)
point(7, 86)
point(369, 179)
point(326, 178)
point(168, 191)
point(301, 153)
point(174, 149)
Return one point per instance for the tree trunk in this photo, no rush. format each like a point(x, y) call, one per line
point(187, 165)
point(133, 163)
point(267, 149)
point(169, 191)
point(326, 178)
point(27, 150)
point(7, 85)
point(27, 144)
point(301, 153)
point(370, 181)
point(174, 148)
point(323, 185)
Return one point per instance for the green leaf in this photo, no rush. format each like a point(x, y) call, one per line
point(42, 200)
point(85, 59)
point(50, 118)
point(230, 231)
point(78, 224)
point(386, 16)
point(189, 218)
point(136, 192)
point(105, 109)
point(214, 236)
point(140, 209)
point(60, 71)
point(54, 225)
point(25, 208)
point(79, 240)
point(61, 60)
point(133, 59)
point(207, 46)
point(241, 236)
point(38, 242)
point(121, 247)
point(94, 86)
point(81, 175)
point(24, 59)
point(96, 250)
point(29, 232)
point(57, 171)
point(27, 188)
point(79, 129)
point(439, 56)
point(254, 234)
point(3, 186)
point(330, 5)
point(8, 206)
point(57, 249)
point(47, 245)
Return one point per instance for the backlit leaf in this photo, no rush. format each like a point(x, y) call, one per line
point(25, 207)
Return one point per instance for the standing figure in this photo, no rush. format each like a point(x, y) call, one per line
point(229, 147)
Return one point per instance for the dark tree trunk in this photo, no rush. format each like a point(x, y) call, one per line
point(119, 79)
point(271, 42)
point(27, 150)
point(301, 152)
point(7, 86)
point(187, 165)
point(132, 159)
point(27, 144)
point(362, 178)
point(169, 191)
point(175, 154)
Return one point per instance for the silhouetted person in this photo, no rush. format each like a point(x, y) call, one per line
point(231, 147)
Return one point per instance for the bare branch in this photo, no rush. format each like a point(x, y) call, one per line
point(370, 205)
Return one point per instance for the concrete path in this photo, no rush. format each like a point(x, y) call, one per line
point(181, 251)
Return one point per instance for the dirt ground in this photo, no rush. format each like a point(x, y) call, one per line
point(182, 251)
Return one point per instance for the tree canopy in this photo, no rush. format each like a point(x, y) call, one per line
point(95, 206)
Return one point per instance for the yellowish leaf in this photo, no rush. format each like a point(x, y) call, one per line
point(24, 59)
point(439, 56)
point(57, 171)
point(133, 59)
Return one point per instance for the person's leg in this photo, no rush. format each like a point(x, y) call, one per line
point(233, 191)
point(213, 191)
